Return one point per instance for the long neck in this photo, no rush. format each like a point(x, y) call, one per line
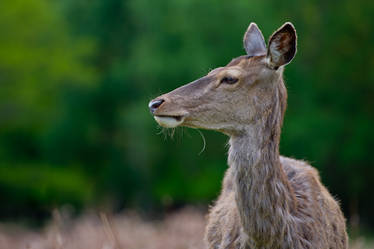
point(264, 196)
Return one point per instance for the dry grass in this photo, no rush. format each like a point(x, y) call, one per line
point(181, 230)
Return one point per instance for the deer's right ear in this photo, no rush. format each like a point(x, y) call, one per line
point(254, 42)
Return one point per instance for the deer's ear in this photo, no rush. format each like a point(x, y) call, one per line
point(254, 42)
point(282, 46)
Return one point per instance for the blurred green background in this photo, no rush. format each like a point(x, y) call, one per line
point(76, 77)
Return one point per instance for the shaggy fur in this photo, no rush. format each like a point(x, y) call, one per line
point(267, 201)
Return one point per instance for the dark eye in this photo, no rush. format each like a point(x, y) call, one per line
point(229, 80)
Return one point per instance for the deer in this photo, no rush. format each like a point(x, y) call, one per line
point(267, 201)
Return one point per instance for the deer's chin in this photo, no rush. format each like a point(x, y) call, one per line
point(169, 121)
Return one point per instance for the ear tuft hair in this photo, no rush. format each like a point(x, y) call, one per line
point(282, 46)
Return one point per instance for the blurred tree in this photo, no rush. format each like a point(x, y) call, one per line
point(76, 77)
point(38, 59)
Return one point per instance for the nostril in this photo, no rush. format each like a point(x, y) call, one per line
point(153, 105)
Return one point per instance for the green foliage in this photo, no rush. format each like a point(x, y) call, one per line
point(43, 185)
point(37, 57)
point(76, 77)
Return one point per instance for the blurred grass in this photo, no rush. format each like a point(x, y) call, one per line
point(183, 229)
point(180, 230)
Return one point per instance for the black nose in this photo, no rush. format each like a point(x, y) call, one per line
point(154, 104)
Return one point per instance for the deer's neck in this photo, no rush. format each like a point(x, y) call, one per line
point(264, 196)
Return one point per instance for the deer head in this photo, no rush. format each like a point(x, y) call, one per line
point(233, 97)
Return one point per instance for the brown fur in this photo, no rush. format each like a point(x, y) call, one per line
point(267, 201)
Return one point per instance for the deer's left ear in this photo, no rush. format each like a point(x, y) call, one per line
point(282, 46)
point(253, 41)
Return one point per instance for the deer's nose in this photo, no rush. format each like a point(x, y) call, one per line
point(154, 104)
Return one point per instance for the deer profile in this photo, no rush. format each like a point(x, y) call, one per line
point(267, 201)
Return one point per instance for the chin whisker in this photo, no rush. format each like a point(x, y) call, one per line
point(166, 132)
point(204, 142)
point(172, 132)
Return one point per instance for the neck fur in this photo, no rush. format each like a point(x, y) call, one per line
point(264, 196)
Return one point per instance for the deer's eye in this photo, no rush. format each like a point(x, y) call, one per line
point(229, 80)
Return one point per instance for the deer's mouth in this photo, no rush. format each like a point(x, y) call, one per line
point(169, 121)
